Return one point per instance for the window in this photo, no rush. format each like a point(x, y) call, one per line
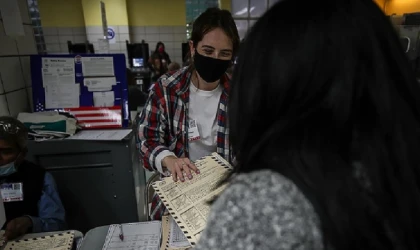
point(36, 25)
point(194, 8)
point(246, 13)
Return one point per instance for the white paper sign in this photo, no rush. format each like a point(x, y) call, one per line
point(103, 99)
point(100, 83)
point(58, 71)
point(62, 96)
point(103, 46)
point(98, 66)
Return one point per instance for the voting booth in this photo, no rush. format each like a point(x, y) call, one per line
point(92, 88)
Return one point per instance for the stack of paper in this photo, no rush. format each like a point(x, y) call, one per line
point(141, 235)
point(61, 241)
point(172, 236)
point(187, 201)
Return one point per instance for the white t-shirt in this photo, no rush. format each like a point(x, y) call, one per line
point(203, 106)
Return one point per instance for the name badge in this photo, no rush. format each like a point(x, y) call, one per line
point(193, 134)
point(11, 192)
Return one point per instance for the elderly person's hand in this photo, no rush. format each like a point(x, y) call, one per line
point(17, 227)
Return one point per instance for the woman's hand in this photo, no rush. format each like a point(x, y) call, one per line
point(179, 166)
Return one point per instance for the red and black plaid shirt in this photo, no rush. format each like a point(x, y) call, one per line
point(163, 124)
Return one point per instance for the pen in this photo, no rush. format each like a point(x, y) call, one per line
point(121, 233)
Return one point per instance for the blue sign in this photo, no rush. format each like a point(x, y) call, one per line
point(111, 34)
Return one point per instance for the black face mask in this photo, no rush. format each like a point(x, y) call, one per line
point(210, 69)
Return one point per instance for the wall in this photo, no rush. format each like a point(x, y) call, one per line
point(116, 15)
point(225, 4)
point(381, 3)
point(15, 76)
point(159, 20)
point(62, 21)
point(156, 12)
point(400, 7)
point(132, 20)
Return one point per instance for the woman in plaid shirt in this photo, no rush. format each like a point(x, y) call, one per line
point(185, 118)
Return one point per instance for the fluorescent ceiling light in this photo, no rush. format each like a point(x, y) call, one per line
point(244, 11)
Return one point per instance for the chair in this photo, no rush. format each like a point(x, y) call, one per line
point(149, 192)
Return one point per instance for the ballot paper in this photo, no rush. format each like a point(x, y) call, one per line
point(177, 238)
point(61, 241)
point(187, 201)
point(141, 235)
point(166, 228)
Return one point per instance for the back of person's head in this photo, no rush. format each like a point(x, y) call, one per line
point(174, 66)
point(155, 59)
point(13, 132)
point(320, 85)
point(211, 19)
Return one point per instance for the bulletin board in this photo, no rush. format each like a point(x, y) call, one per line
point(91, 87)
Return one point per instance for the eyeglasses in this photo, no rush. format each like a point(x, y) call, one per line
point(9, 128)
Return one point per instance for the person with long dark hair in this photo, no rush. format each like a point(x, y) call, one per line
point(156, 67)
point(185, 117)
point(324, 116)
point(160, 50)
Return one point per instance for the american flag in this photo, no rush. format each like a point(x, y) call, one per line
point(93, 117)
point(97, 117)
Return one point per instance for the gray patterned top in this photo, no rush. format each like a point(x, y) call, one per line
point(262, 210)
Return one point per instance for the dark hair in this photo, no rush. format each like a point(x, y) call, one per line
point(337, 90)
point(155, 56)
point(157, 46)
point(162, 68)
point(215, 18)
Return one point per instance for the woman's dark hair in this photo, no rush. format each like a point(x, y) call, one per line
point(155, 56)
point(215, 18)
point(325, 89)
point(158, 45)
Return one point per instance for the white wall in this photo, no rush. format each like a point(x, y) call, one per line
point(15, 76)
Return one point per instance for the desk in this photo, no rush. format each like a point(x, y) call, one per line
point(94, 239)
point(78, 237)
point(99, 182)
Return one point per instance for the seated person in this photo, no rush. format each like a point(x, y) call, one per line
point(174, 66)
point(38, 207)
